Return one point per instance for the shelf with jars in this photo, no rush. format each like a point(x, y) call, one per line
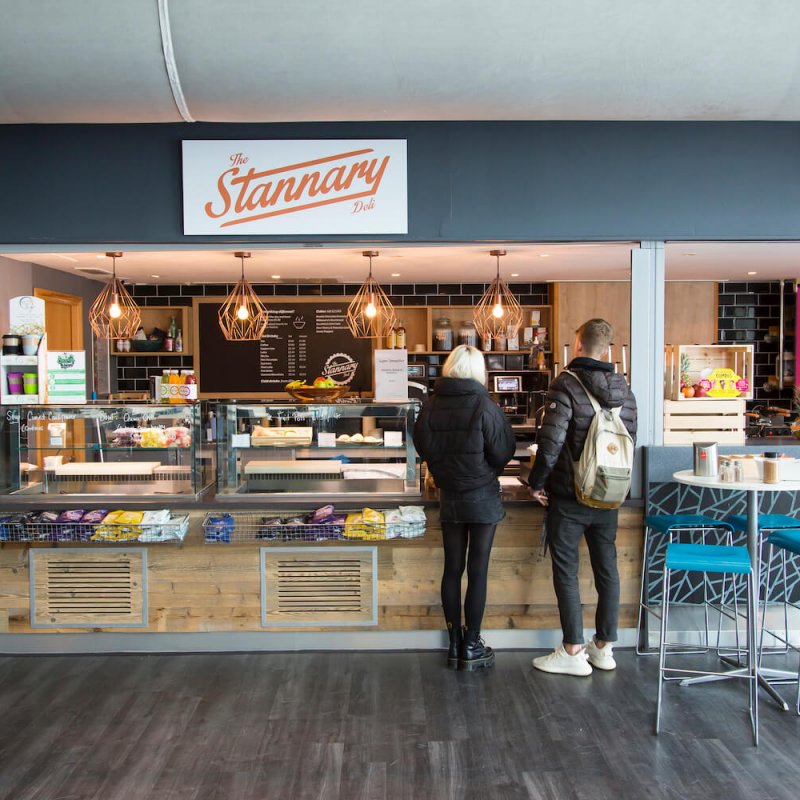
point(438, 329)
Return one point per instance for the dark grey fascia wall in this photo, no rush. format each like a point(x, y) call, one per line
point(468, 181)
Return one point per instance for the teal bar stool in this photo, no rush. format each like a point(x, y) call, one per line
point(658, 527)
point(708, 558)
point(789, 542)
point(767, 525)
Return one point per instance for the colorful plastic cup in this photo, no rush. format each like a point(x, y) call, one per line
point(30, 344)
point(30, 383)
point(14, 382)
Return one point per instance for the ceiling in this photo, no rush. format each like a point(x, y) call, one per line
point(96, 61)
point(716, 261)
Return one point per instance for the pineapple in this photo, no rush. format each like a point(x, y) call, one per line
point(684, 370)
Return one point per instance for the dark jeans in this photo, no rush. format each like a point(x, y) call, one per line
point(567, 522)
point(458, 537)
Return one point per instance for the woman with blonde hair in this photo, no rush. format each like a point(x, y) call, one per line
point(466, 441)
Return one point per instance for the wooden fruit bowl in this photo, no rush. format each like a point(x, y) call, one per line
point(314, 394)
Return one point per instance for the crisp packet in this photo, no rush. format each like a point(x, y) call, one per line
point(271, 528)
point(321, 514)
point(95, 516)
point(218, 528)
point(72, 515)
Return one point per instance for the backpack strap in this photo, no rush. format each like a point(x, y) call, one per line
point(592, 399)
point(595, 405)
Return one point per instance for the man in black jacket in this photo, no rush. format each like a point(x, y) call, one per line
point(568, 415)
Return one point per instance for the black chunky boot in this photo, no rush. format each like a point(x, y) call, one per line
point(474, 654)
point(455, 645)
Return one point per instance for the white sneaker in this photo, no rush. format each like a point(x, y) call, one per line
point(561, 662)
point(600, 657)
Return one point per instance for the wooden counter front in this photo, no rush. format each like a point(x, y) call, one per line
point(197, 587)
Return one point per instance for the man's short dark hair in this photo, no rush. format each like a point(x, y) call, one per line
point(595, 336)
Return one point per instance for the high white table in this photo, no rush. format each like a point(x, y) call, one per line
point(752, 488)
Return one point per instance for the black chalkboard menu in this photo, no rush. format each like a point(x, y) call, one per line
point(304, 340)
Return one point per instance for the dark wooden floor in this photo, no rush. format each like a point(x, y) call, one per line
point(359, 726)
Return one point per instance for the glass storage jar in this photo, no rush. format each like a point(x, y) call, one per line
point(443, 334)
point(467, 333)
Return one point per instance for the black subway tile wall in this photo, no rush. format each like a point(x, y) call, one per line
point(745, 315)
point(133, 372)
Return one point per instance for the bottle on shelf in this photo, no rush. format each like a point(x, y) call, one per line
point(179, 342)
point(169, 344)
point(400, 337)
point(174, 387)
point(391, 339)
point(172, 331)
point(190, 380)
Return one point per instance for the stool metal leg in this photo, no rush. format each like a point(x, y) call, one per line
point(662, 645)
point(753, 655)
point(641, 634)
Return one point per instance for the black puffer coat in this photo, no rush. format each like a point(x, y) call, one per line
point(567, 418)
point(463, 436)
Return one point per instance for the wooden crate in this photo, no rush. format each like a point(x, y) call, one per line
point(702, 420)
point(706, 357)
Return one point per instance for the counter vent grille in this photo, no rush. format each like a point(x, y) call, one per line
point(88, 588)
point(319, 586)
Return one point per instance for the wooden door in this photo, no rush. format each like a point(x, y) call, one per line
point(63, 323)
point(63, 319)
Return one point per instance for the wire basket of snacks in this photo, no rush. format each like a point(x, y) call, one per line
point(323, 524)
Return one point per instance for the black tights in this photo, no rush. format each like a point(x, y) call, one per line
point(456, 536)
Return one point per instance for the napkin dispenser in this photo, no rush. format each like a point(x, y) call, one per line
point(705, 459)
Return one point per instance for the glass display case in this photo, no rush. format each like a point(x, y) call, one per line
point(104, 451)
point(317, 448)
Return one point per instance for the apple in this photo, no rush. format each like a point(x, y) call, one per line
point(700, 390)
point(321, 383)
point(688, 391)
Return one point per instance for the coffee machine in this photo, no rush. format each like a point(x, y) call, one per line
point(511, 398)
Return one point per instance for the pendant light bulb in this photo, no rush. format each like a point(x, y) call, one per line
point(498, 312)
point(243, 317)
point(114, 313)
point(370, 314)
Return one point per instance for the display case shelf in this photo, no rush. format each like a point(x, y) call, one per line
point(302, 466)
point(54, 451)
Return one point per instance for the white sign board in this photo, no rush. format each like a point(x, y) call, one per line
point(66, 377)
point(391, 376)
point(26, 315)
point(274, 187)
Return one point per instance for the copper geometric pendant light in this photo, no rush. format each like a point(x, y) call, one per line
point(497, 313)
point(114, 314)
point(371, 314)
point(243, 317)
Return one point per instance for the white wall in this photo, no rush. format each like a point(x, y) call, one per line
point(16, 278)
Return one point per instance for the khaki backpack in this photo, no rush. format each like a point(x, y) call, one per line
point(603, 471)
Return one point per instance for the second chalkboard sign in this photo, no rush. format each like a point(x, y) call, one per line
point(305, 339)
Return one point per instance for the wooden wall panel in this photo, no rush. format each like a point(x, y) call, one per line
point(199, 587)
point(690, 311)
